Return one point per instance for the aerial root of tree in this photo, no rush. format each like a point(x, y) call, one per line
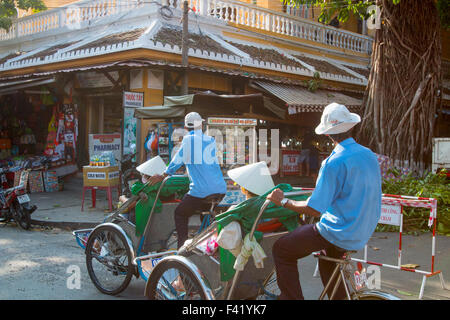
point(401, 98)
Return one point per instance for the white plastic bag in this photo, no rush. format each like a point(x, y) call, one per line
point(250, 248)
point(230, 238)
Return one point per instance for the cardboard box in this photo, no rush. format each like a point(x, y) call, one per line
point(51, 181)
point(101, 176)
point(35, 182)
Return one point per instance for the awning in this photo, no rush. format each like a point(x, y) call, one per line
point(13, 86)
point(299, 99)
point(208, 103)
point(159, 112)
point(209, 98)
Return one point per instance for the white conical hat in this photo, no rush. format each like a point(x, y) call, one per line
point(152, 167)
point(255, 177)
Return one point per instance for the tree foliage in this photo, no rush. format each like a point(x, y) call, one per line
point(430, 185)
point(401, 97)
point(343, 8)
point(8, 10)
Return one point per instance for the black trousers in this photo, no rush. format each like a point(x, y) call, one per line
point(298, 244)
point(188, 206)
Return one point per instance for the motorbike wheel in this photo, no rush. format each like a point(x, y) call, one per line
point(109, 260)
point(21, 216)
point(171, 280)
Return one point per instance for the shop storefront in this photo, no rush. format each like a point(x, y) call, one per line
point(228, 118)
point(302, 151)
point(38, 135)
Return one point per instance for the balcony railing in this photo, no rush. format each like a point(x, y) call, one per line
point(230, 11)
point(67, 16)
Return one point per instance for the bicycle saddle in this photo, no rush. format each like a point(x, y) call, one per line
point(213, 198)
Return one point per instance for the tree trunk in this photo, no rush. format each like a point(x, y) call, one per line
point(401, 97)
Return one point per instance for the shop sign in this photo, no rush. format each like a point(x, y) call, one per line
point(96, 175)
point(290, 163)
point(133, 99)
point(113, 175)
point(232, 122)
point(99, 143)
point(391, 214)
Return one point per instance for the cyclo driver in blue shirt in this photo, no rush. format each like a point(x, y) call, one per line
point(198, 153)
point(347, 198)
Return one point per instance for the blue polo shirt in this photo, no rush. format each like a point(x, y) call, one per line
point(198, 153)
point(348, 195)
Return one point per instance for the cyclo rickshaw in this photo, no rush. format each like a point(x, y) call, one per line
point(116, 250)
point(112, 246)
point(209, 275)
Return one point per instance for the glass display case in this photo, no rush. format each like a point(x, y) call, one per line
point(166, 144)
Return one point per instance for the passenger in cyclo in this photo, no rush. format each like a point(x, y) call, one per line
point(254, 180)
point(198, 154)
point(347, 198)
point(147, 169)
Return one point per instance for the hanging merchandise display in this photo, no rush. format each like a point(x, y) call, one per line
point(70, 131)
point(51, 136)
point(38, 137)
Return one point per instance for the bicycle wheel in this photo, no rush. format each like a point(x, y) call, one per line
point(171, 280)
point(269, 290)
point(109, 260)
point(21, 216)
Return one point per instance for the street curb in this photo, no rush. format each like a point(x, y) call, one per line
point(65, 224)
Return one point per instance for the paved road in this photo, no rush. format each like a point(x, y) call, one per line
point(34, 265)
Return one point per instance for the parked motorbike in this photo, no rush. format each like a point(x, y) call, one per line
point(129, 173)
point(15, 204)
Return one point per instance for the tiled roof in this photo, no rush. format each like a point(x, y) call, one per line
point(115, 38)
point(50, 51)
point(10, 56)
point(362, 71)
point(322, 65)
point(267, 55)
point(172, 36)
point(205, 45)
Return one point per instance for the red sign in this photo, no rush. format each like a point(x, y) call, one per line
point(133, 99)
point(290, 162)
point(232, 122)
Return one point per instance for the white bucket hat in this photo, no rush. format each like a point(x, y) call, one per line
point(337, 119)
point(254, 177)
point(154, 166)
point(193, 120)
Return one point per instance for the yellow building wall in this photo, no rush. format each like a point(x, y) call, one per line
point(57, 3)
point(209, 82)
point(350, 25)
point(152, 97)
point(50, 4)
